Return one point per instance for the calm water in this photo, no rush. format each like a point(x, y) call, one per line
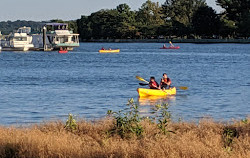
point(40, 86)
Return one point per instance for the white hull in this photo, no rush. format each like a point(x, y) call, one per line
point(16, 48)
point(17, 42)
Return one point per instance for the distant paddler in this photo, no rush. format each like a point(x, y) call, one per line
point(171, 44)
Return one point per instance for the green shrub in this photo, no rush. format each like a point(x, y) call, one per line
point(127, 121)
point(229, 134)
point(163, 119)
point(70, 123)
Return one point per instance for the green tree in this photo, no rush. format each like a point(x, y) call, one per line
point(103, 24)
point(179, 13)
point(110, 23)
point(125, 22)
point(244, 26)
point(237, 12)
point(84, 28)
point(9, 26)
point(149, 18)
point(205, 21)
point(228, 27)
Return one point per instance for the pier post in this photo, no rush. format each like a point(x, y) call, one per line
point(44, 39)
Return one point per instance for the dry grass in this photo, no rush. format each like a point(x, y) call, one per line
point(51, 140)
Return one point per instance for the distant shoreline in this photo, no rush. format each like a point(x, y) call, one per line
point(201, 41)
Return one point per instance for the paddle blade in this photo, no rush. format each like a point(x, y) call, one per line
point(183, 88)
point(141, 79)
point(143, 84)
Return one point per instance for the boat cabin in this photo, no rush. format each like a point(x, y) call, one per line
point(60, 36)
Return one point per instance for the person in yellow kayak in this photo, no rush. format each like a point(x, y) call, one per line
point(153, 84)
point(165, 82)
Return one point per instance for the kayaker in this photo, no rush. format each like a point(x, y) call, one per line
point(153, 84)
point(164, 46)
point(171, 44)
point(165, 81)
point(103, 48)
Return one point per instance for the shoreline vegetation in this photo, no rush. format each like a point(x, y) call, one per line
point(190, 21)
point(51, 140)
point(201, 41)
point(127, 134)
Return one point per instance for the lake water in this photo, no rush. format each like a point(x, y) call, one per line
point(41, 86)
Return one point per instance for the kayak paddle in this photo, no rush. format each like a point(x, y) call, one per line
point(183, 88)
point(143, 84)
point(141, 79)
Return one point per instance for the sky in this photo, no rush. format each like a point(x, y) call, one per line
point(38, 10)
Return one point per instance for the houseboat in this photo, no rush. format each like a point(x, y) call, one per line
point(60, 37)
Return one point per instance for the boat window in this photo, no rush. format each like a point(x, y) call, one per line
point(20, 39)
point(63, 39)
point(74, 38)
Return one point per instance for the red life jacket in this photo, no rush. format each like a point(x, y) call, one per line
point(153, 85)
point(165, 80)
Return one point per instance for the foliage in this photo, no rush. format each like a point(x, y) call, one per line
point(70, 123)
point(245, 121)
point(205, 21)
point(228, 135)
point(180, 14)
point(49, 140)
point(9, 26)
point(149, 19)
point(237, 11)
point(127, 122)
point(174, 18)
point(164, 118)
point(228, 27)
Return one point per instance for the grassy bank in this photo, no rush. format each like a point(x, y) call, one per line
point(206, 139)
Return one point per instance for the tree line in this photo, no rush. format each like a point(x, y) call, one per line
point(174, 18)
point(7, 27)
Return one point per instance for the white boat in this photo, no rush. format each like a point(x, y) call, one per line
point(19, 41)
point(60, 37)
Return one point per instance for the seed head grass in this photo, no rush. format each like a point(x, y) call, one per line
point(93, 139)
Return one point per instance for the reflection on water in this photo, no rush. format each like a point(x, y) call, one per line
point(153, 100)
point(148, 103)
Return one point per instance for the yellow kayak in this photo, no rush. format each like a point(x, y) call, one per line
point(145, 92)
point(110, 51)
